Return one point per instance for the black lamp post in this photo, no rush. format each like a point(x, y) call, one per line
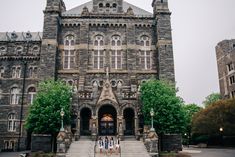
point(22, 97)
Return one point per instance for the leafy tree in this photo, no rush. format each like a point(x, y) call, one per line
point(190, 111)
point(44, 114)
point(161, 96)
point(210, 99)
point(219, 114)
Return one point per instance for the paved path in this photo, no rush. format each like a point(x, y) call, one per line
point(209, 152)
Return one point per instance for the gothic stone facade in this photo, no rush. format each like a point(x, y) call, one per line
point(225, 53)
point(104, 49)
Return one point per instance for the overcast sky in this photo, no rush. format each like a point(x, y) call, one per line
point(198, 25)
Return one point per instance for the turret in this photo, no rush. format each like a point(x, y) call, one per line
point(164, 40)
point(52, 16)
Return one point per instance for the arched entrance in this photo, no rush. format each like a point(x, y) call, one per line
point(85, 117)
point(107, 120)
point(129, 117)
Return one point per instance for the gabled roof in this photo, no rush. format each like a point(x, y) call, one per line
point(78, 10)
point(20, 36)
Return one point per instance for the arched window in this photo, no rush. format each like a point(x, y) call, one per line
point(107, 5)
point(31, 94)
point(116, 54)
point(98, 54)
point(114, 5)
point(19, 50)
point(16, 72)
point(69, 52)
point(11, 122)
point(145, 52)
point(14, 96)
point(101, 5)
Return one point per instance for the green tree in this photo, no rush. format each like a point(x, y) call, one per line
point(219, 114)
point(44, 114)
point(161, 96)
point(190, 111)
point(210, 99)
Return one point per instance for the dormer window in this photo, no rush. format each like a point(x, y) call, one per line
point(13, 35)
point(101, 5)
point(28, 35)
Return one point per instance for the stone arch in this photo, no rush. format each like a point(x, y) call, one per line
point(84, 106)
point(131, 106)
point(108, 102)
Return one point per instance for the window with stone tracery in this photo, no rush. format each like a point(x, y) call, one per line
point(31, 94)
point(69, 52)
point(116, 53)
point(1, 72)
point(145, 53)
point(12, 122)
point(14, 96)
point(16, 72)
point(99, 53)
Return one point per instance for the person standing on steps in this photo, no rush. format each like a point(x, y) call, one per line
point(111, 144)
point(101, 145)
point(106, 145)
point(117, 147)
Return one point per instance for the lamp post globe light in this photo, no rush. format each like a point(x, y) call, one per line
point(221, 129)
point(152, 114)
point(62, 119)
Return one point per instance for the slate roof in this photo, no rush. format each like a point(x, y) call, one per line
point(78, 10)
point(20, 36)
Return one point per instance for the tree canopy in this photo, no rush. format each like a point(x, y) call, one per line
point(210, 99)
point(219, 114)
point(161, 96)
point(44, 114)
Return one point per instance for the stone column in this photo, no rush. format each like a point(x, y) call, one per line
point(61, 147)
point(94, 128)
point(120, 127)
point(77, 133)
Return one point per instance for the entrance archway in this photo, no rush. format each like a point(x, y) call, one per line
point(85, 117)
point(107, 120)
point(129, 117)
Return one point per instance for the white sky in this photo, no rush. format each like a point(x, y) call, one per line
point(198, 25)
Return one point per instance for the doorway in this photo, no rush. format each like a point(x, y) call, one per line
point(129, 117)
point(107, 120)
point(85, 117)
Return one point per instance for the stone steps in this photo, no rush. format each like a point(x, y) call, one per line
point(83, 148)
point(133, 148)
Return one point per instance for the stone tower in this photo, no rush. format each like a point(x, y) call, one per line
point(164, 40)
point(52, 17)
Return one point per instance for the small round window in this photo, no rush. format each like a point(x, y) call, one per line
point(114, 5)
point(107, 5)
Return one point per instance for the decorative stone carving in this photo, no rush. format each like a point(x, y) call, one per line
point(85, 11)
point(130, 11)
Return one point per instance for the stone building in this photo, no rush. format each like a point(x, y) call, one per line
point(225, 53)
point(104, 49)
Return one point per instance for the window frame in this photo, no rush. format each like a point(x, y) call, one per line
point(11, 122)
point(69, 54)
point(98, 53)
point(145, 58)
point(116, 52)
point(14, 96)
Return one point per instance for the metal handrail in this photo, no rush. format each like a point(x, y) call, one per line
point(95, 148)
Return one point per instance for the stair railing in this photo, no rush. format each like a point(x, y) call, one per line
point(95, 148)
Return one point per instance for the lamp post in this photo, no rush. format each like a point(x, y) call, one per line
point(62, 119)
point(22, 97)
point(152, 114)
point(221, 129)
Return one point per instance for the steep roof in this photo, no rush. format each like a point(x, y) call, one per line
point(78, 10)
point(20, 36)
